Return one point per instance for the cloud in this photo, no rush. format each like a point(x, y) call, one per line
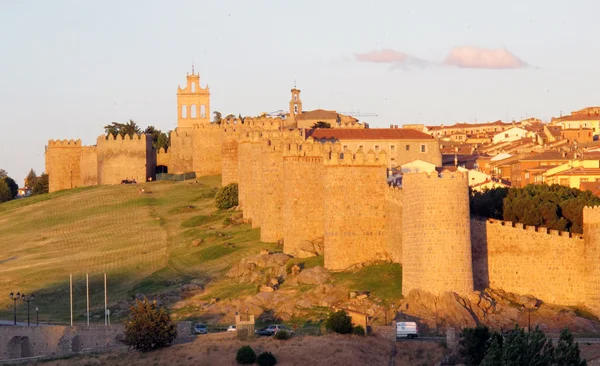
point(392, 57)
point(483, 58)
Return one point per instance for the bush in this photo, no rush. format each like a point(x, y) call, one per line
point(266, 359)
point(339, 322)
point(149, 327)
point(358, 330)
point(227, 197)
point(245, 355)
point(283, 335)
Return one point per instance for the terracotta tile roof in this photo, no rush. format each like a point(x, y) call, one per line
point(368, 134)
point(580, 171)
point(594, 187)
point(578, 117)
point(549, 155)
point(318, 114)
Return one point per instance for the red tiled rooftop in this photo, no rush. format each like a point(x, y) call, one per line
point(368, 134)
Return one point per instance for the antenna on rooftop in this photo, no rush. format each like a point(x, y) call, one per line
point(294, 83)
point(192, 65)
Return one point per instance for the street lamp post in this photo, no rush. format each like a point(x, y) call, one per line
point(14, 297)
point(28, 299)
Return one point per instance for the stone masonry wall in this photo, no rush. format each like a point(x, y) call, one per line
point(206, 155)
point(123, 157)
point(302, 211)
point(354, 209)
point(63, 159)
point(271, 229)
point(244, 174)
point(229, 156)
point(436, 243)
point(254, 195)
point(591, 234)
point(547, 264)
point(89, 166)
point(181, 152)
point(394, 197)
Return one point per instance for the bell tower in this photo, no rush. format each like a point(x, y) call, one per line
point(295, 104)
point(193, 103)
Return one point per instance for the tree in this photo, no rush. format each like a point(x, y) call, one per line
point(30, 179)
point(339, 322)
point(245, 355)
point(149, 327)
point(115, 128)
point(227, 197)
point(321, 124)
point(3, 173)
point(217, 118)
point(5, 194)
point(41, 185)
point(473, 343)
point(567, 351)
point(159, 138)
point(241, 118)
point(12, 186)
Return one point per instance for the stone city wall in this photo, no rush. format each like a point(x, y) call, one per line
point(302, 210)
point(354, 209)
point(63, 164)
point(181, 152)
point(125, 158)
point(272, 191)
point(591, 235)
point(229, 155)
point(393, 201)
point(89, 166)
point(547, 264)
point(436, 243)
point(206, 152)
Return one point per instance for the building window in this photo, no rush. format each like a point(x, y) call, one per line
point(360, 147)
point(423, 148)
point(393, 148)
point(376, 147)
point(505, 135)
point(407, 147)
point(345, 147)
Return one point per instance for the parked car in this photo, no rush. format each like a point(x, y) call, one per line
point(278, 327)
point(263, 332)
point(406, 329)
point(200, 329)
point(232, 328)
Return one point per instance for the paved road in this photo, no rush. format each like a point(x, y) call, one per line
point(440, 339)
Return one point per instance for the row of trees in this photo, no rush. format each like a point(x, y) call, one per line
point(479, 346)
point(552, 206)
point(159, 139)
point(218, 117)
point(9, 189)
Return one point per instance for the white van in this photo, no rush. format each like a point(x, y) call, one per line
point(406, 330)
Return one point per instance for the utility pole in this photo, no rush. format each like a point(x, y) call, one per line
point(87, 292)
point(71, 295)
point(105, 303)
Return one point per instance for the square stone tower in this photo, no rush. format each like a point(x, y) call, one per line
point(193, 103)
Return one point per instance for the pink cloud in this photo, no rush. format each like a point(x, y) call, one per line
point(388, 56)
point(483, 58)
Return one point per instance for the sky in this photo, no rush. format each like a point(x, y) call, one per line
point(68, 68)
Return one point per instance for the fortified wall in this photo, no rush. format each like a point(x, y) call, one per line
point(111, 160)
point(319, 199)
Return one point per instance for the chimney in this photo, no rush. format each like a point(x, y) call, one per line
point(391, 126)
point(396, 126)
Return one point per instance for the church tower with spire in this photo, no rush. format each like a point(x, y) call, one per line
point(295, 104)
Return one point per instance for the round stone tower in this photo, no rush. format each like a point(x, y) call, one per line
point(436, 235)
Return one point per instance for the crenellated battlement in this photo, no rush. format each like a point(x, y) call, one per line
point(346, 158)
point(537, 229)
point(307, 148)
point(64, 143)
point(427, 178)
point(141, 138)
point(395, 193)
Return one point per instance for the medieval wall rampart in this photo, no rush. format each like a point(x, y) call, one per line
point(302, 211)
point(63, 164)
point(591, 235)
point(354, 208)
point(181, 151)
point(229, 155)
point(89, 166)
point(393, 201)
point(244, 173)
point(125, 157)
point(254, 197)
point(163, 157)
point(547, 264)
point(206, 150)
point(271, 229)
point(436, 243)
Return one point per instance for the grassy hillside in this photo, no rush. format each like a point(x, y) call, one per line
point(142, 241)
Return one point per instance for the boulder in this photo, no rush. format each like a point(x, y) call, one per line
point(296, 269)
point(266, 289)
point(312, 276)
point(197, 242)
point(362, 297)
point(274, 282)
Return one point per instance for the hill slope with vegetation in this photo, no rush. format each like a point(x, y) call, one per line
point(166, 240)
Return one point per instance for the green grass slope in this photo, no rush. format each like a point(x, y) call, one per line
point(142, 241)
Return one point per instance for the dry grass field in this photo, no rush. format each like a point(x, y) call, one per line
point(142, 242)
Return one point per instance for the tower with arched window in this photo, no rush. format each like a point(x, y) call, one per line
point(295, 104)
point(193, 103)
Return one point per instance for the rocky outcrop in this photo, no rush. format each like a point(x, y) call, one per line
point(312, 276)
point(260, 268)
